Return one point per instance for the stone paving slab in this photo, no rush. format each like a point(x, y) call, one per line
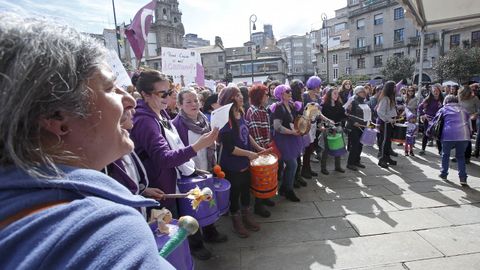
point(463, 262)
point(361, 206)
point(224, 260)
point(397, 266)
point(353, 193)
point(464, 214)
point(454, 240)
point(420, 187)
point(408, 220)
point(342, 253)
point(433, 199)
point(278, 233)
point(286, 210)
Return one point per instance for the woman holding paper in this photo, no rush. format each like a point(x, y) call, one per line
point(236, 147)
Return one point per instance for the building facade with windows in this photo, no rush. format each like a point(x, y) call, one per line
point(379, 30)
point(213, 60)
point(193, 41)
point(299, 53)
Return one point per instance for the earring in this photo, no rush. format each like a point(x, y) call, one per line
point(64, 130)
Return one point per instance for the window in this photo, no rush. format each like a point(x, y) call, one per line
point(361, 62)
point(399, 54)
point(398, 35)
point(323, 60)
point(334, 59)
point(476, 39)
point(335, 73)
point(417, 54)
point(235, 70)
point(347, 56)
point(377, 61)
point(353, 2)
point(298, 62)
point(360, 42)
point(348, 71)
point(378, 19)
point(398, 13)
point(360, 23)
point(169, 37)
point(298, 44)
point(220, 71)
point(220, 58)
point(339, 27)
point(298, 53)
point(378, 40)
point(454, 41)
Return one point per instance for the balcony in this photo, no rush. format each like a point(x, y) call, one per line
point(398, 43)
point(429, 39)
point(378, 47)
point(371, 7)
point(360, 50)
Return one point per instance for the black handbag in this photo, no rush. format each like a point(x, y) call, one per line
point(437, 128)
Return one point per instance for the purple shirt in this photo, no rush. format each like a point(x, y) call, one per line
point(229, 139)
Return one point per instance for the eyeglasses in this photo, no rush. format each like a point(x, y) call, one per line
point(163, 94)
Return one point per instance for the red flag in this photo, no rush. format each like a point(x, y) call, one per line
point(137, 32)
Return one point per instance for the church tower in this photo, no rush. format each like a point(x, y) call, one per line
point(168, 24)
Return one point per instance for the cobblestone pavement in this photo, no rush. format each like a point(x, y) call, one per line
point(405, 217)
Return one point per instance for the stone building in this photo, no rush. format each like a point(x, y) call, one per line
point(213, 60)
point(298, 50)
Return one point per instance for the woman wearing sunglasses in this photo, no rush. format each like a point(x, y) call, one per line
point(287, 139)
point(156, 138)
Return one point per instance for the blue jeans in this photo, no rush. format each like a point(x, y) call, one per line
point(288, 174)
point(460, 147)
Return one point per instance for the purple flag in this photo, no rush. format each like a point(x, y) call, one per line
point(138, 30)
point(200, 78)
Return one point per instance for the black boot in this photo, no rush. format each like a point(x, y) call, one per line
point(291, 196)
point(211, 235)
point(260, 210)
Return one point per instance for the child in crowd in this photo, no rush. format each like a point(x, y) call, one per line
point(412, 130)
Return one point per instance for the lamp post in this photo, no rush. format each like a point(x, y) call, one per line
point(253, 19)
point(324, 26)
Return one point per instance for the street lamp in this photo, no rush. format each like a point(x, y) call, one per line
point(324, 26)
point(253, 19)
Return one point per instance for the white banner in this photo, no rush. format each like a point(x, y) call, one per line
point(178, 62)
point(123, 80)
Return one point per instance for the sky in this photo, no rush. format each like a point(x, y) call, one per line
point(206, 18)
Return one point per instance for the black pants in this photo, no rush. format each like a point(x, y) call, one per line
point(386, 131)
point(425, 139)
point(239, 190)
point(355, 146)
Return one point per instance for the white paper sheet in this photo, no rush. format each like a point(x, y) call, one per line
point(219, 117)
point(367, 113)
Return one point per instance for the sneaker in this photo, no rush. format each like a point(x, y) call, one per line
point(306, 174)
point(412, 154)
point(261, 211)
point(463, 182)
point(268, 202)
point(392, 162)
point(422, 153)
point(202, 253)
point(291, 196)
point(406, 154)
point(360, 165)
point(301, 181)
point(383, 164)
point(340, 170)
point(351, 167)
point(394, 154)
point(443, 176)
point(453, 160)
point(325, 171)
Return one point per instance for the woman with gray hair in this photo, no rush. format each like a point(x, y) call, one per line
point(456, 132)
point(59, 125)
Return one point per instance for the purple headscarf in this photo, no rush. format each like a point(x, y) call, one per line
point(278, 93)
point(314, 82)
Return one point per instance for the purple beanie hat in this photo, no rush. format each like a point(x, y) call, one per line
point(279, 90)
point(314, 82)
point(226, 95)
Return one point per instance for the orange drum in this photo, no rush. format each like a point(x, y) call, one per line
point(264, 182)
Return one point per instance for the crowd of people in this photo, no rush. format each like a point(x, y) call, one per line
point(65, 126)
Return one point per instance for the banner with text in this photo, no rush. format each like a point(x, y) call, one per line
point(180, 62)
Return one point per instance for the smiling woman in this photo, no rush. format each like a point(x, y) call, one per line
point(60, 122)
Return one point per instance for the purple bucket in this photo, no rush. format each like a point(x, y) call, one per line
point(222, 191)
point(207, 212)
point(369, 136)
point(180, 258)
point(338, 152)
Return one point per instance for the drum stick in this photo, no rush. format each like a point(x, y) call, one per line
point(175, 196)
